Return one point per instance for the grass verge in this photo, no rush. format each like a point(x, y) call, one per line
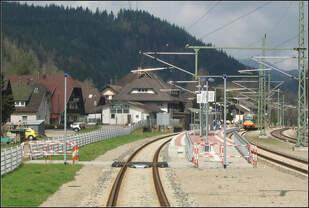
point(31, 184)
point(91, 151)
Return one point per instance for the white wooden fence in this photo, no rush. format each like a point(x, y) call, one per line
point(11, 158)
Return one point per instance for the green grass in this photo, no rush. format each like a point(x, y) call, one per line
point(91, 151)
point(94, 128)
point(3, 146)
point(264, 141)
point(31, 184)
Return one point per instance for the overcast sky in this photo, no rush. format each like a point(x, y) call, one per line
point(226, 23)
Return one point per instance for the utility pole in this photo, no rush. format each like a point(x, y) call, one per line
point(283, 111)
point(302, 124)
point(65, 118)
point(268, 101)
point(262, 107)
point(262, 94)
point(199, 84)
point(224, 144)
point(278, 120)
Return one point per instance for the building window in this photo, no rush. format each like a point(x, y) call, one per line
point(36, 90)
point(24, 118)
point(142, 90)
point(20, 103)
point(136, 116)
point(113, 116)
point(119, 108)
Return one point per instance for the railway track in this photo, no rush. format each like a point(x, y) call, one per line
point(279, 135)
point(159, 190)
point(289, 161)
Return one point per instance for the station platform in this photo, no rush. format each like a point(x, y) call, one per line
point(209, 159)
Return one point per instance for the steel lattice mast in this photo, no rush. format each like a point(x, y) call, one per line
point(302, 98)
point(262, 95)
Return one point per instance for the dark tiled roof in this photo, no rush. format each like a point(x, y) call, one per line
point(89, 102)
point(146, 81)
point(55, 85)
point(21, 91)
point(115, 88)
point(35, 99)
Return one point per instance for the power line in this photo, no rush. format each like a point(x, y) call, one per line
point(233, 21)
point(288, 40)
point(284, 14)
point(282, 17)
point(204, 15)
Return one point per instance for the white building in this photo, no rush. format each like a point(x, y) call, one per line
point(125, 113)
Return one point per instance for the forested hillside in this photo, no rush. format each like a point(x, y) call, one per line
point(98, 46)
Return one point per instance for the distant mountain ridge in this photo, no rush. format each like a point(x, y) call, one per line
point(289, 84)
point(101, 46)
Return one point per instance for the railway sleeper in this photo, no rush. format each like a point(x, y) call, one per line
point(140, 164)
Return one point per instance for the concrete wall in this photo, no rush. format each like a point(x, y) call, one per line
point(18, 117)
point(137, 114)
point(106, 115)
point(93, 116)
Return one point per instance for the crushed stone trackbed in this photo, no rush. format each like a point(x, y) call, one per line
point(187, 186)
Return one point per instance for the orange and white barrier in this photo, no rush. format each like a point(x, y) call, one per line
point(75, 155)
point(254, 156)
point(195, 155)
point(47, 149)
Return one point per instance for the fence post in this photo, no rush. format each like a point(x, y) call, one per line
point(11, 168)
point(4, 161)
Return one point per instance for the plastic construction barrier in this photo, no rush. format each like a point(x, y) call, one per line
point(48, 148)
point(220, 154)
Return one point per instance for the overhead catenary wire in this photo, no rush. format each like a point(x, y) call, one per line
point(204, 15)
point(282, 17)
point(235, 20)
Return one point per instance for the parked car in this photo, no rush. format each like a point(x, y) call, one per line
point(30, 134)
point(77, 126)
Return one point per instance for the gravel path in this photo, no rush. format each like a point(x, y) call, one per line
point(187, 186)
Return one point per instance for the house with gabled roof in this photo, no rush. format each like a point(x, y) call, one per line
point(109, 91)
point(55, 85)
point(92, 97)
point(150, 89)
point(124, 113)
point(32, 102)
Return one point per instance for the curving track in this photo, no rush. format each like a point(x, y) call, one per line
point(116, 188)
point(289, 161)
point(279, 135)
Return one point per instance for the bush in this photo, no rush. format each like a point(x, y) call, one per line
point(49, 126)
point(146, 129)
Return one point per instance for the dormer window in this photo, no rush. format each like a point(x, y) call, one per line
point(20, 103)
point(142, 91)
point(36, 90)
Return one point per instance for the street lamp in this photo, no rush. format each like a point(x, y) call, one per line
point(224, 76)
point(65, 118)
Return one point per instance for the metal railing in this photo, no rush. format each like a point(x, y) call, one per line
point(11, 158)
point(244, 147)
point(189, 147)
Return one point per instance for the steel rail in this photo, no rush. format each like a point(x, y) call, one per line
point(113, 196)
point(157, 181)
point(279, 135)
point(283, 155)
